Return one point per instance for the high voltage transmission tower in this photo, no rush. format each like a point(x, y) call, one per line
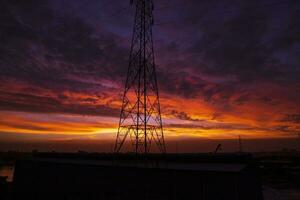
point(140, 119)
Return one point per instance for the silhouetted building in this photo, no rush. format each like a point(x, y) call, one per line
point(175, 178)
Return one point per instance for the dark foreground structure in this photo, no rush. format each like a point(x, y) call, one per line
point(203, 177)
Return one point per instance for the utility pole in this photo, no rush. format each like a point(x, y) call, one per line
point(140, 118)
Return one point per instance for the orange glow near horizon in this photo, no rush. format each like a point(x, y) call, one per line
point(182, 117)
point(195, 123)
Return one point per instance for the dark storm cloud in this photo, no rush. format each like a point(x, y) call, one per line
point(55, 51)
point(53, 45)
point(294, 118)
point(180, 83)
point(46, 104)
point(290, 32)
point(214, 50)
point(229, 48)
point(233, 45)
point(182, 115)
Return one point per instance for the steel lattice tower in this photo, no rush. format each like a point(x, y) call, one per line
point(140, 118)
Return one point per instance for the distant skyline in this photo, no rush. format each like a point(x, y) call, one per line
point(225, 68)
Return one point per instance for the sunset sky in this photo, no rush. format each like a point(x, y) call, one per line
point(224, 68)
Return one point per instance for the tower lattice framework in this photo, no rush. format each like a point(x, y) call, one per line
point(140, 118)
